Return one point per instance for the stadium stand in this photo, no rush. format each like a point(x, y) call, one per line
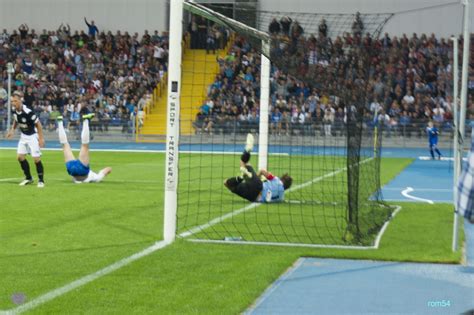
point(60, 72)
point(410, 83)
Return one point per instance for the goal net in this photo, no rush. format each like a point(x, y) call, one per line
point(309, 111)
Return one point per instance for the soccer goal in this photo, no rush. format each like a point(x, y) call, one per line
point(300, 87)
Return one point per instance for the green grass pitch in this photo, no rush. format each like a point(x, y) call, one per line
point(50, 237)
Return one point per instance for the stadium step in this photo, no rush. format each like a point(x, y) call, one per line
point(198, 72)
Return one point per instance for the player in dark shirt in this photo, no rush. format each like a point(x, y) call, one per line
point(31, 139)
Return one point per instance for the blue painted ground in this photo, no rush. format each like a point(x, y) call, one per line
point(430, 180)
point(333, 286)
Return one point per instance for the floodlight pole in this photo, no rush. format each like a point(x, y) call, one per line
point(265, 69)
point(10, 71)
point(172, 131)
point(462, 110)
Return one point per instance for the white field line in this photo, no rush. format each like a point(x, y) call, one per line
point(255, 205)
point(375, 246)
point(84, 280)
point(450, 201)
point(384, 227)
point(197, 240)
point(427, 158)
point(408, 190)
point(152, 151)
point(10, 179)
point(418, 189)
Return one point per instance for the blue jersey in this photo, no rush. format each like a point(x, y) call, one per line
point(432, 135)
point(272, 191)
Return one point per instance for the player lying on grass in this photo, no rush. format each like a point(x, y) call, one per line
point(257, 187)
point(79, 168)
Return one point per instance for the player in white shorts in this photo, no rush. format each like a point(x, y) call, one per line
point(79, 168)
point(31, 139)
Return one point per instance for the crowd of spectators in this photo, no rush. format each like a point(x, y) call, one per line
point(70, 73)
point(402, 82)
point(205, 34)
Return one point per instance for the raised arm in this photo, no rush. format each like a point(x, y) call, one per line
point(85, 20)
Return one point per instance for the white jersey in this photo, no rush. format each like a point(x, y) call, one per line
point(92, 177)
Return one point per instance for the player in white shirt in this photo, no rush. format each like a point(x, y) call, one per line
point(79, 168)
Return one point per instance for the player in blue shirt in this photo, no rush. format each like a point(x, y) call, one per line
point(79, 168)
point(433, 139)
point(257, 187)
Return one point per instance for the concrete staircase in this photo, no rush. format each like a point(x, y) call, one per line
point(199, 71)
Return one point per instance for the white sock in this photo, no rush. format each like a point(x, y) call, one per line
point(85, 132)
point(62, 133)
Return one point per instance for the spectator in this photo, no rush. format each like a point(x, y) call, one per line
point(323, 28)
point(92, 28)
point(274, 27)
point(44, 117)
point(285, 23)
point(328, 121)
point(23, 31)
point(211, 41)
point(199, 122)
point(276, 118)
point(404, 81)
point(357, 25)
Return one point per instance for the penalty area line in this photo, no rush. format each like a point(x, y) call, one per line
point(84, 280)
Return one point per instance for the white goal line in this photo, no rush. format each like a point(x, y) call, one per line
point(375, 246)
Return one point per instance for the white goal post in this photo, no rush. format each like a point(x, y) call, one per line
point(172, 130)
point(174, 85)
point(460, 118)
